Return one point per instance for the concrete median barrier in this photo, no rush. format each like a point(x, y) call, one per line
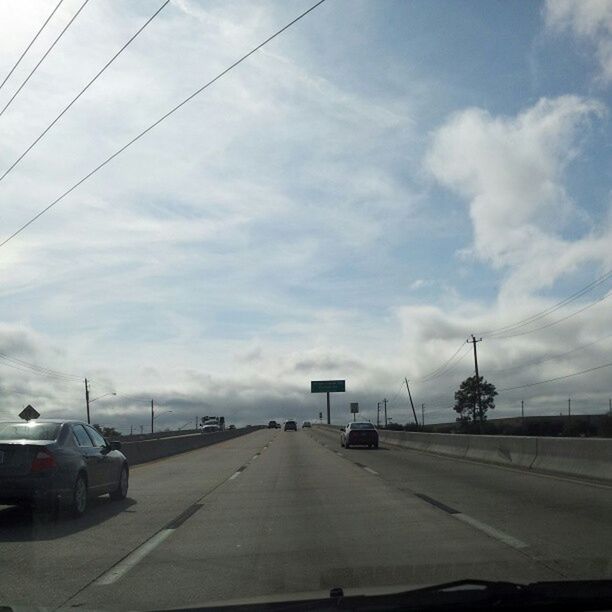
point(588, 458)
point(149, 450)
point(519, 451)
point(452, 445)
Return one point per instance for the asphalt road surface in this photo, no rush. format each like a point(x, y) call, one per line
point(291, 512)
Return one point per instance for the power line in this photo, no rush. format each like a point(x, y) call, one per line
point(42, 59)
point(541, 382)
point(574, 296)
point(446, 366)
point(42, 27)
point(30, 371)
point(91, 82)
point(32, 367)
point(156, 123)
point(569, 316)
point(397, 393)
point(451, 366)
point(551, 357)
point(441, 367)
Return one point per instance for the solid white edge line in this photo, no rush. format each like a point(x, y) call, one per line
point(132, 559)
point(234, 475)
point(491, 531)
point(367, 469)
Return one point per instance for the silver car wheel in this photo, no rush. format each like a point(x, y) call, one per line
point(80, 495)
point(123, 484)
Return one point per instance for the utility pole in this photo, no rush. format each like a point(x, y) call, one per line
point(478, 396)
point(141, 429)
point(523, 415)
point(152, 417)
point(87, 400)
point(610, 405)
point(422, 416)
point(378, 415)
point(411, 402)
point(569, 406)
point(328, 410)
point(385, 403)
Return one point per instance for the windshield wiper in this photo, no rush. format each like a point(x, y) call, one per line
point(456, 596)
point(484, 594)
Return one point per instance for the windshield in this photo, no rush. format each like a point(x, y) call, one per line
point(29, 431)
point(391, 219)
point(361, 426)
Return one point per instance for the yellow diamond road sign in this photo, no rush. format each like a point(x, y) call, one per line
point(29, 413)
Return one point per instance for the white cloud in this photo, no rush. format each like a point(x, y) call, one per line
point(190, 269)
point(511, 172)
point(589, 20)
point(420, 283)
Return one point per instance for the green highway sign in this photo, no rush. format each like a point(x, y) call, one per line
point(327, 386)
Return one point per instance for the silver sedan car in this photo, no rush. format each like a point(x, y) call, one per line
point(55, 463)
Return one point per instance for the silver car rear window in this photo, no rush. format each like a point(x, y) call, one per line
point(29, 431)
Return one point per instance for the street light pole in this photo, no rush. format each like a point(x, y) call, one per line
point(152, 417)
point(87, 401)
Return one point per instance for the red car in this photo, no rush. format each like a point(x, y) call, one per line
point(359, 433)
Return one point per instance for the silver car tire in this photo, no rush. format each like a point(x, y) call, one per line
point(79, 496)
point(122, 486)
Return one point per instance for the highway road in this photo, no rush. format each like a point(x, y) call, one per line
point(279, 512)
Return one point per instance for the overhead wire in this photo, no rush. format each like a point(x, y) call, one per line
point(442, 367)
point(30, 371)
point(158, 121)
point(551, 324)
point(396, 394)
point(32, 367)
point(42, 27)
point(452, 367)
point(541, 382)
point(574, 296)
point(84, 89)
point(42, 59)
point(551, 357)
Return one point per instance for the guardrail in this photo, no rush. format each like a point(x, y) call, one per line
point(580, 457)
point(148, 450)
point(157, 435)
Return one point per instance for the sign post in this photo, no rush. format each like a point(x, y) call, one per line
point(327, 387)
point(354, 409)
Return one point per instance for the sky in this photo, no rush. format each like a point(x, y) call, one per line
point(353, 201)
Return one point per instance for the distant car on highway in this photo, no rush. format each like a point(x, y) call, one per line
point(55, 463)
point(359, 433)
point(272, 424)
point(306, 424)
point(210, 428)
point(290, 426)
